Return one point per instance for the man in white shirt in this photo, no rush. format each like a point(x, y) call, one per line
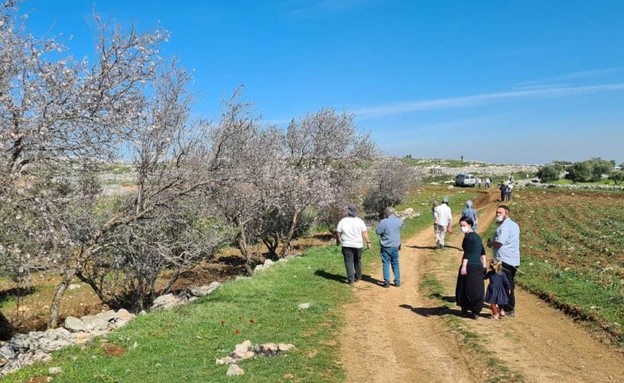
point(351, 233)
point(443, 221)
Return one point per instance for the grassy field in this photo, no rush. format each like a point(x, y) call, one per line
point(572, 249)
point(571, 256)
point(186, 342)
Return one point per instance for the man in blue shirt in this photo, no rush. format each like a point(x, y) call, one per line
point(389, 231)
point(506, 245)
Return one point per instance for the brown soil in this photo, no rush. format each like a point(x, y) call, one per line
point(32, 311)
point(400, 335)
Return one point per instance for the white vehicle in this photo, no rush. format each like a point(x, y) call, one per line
point(465, 179)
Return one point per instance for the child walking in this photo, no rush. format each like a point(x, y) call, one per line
point(497, 290)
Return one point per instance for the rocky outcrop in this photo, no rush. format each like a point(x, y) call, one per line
point(169, 301)
point(478, 169)
point(36, 346)
point(408, 213)
point(268, 263)
point(245, 350)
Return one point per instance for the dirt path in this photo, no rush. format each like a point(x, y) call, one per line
point(399, 335)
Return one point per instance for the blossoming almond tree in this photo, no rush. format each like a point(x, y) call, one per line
point(61, 121)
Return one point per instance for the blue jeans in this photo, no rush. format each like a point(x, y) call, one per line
point(390, 257)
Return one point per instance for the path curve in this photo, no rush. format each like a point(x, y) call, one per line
point(399, 335)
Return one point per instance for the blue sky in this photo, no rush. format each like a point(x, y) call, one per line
point(497, 81)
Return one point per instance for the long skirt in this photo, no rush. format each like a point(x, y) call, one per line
point(470, 289)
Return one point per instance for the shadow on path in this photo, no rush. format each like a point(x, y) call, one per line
point(433, 247)
point(445, 298)
point(331, 276)
point(343, 279)
point(369, 279)
point(422, 247)
point(437, 311)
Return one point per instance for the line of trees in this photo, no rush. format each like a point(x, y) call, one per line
point(200, 185)
point(592, 170)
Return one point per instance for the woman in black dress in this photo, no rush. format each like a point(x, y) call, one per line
point(469, 291)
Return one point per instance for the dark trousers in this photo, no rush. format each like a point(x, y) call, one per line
point(510, 271)
point(353, 263)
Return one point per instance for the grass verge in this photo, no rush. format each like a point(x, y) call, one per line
point(183, 344)
point(602, 308)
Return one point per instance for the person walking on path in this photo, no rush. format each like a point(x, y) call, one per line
point(389, 231)
point(472, 214)
point(487, 183)
point(510, 187)
point(498, 290)
point(433, 213)
point(469, 289)
point(443, 221)
point(506, 245)
point(351, 233)
point(502, 187)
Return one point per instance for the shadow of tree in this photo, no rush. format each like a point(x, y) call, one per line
point(16, 292)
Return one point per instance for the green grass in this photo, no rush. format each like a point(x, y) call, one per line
point(120, 168)
point(565, 181)
point(571, 255)
point(599, 305)
point(183, 344)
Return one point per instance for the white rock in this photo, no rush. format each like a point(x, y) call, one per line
point(226, 360)
point(204, 290)
point(167, 301)
point(241, 350)
point(285, 346)
point(234, 370)
point(74, 324)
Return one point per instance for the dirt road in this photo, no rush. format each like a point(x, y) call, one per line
point(400, 335)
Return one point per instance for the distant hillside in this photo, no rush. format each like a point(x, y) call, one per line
point(442, 167)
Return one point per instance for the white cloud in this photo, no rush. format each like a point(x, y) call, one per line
point(481, 99)
point(565, 77)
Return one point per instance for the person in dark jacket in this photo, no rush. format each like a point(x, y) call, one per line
point(497, 294)
point(469, 290)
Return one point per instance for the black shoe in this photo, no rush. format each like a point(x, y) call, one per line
point(397, 284)
point(386, 285)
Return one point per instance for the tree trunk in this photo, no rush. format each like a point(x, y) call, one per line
point(271, 243)
point(55, 307)
point(291, 231)
point(244, 249)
